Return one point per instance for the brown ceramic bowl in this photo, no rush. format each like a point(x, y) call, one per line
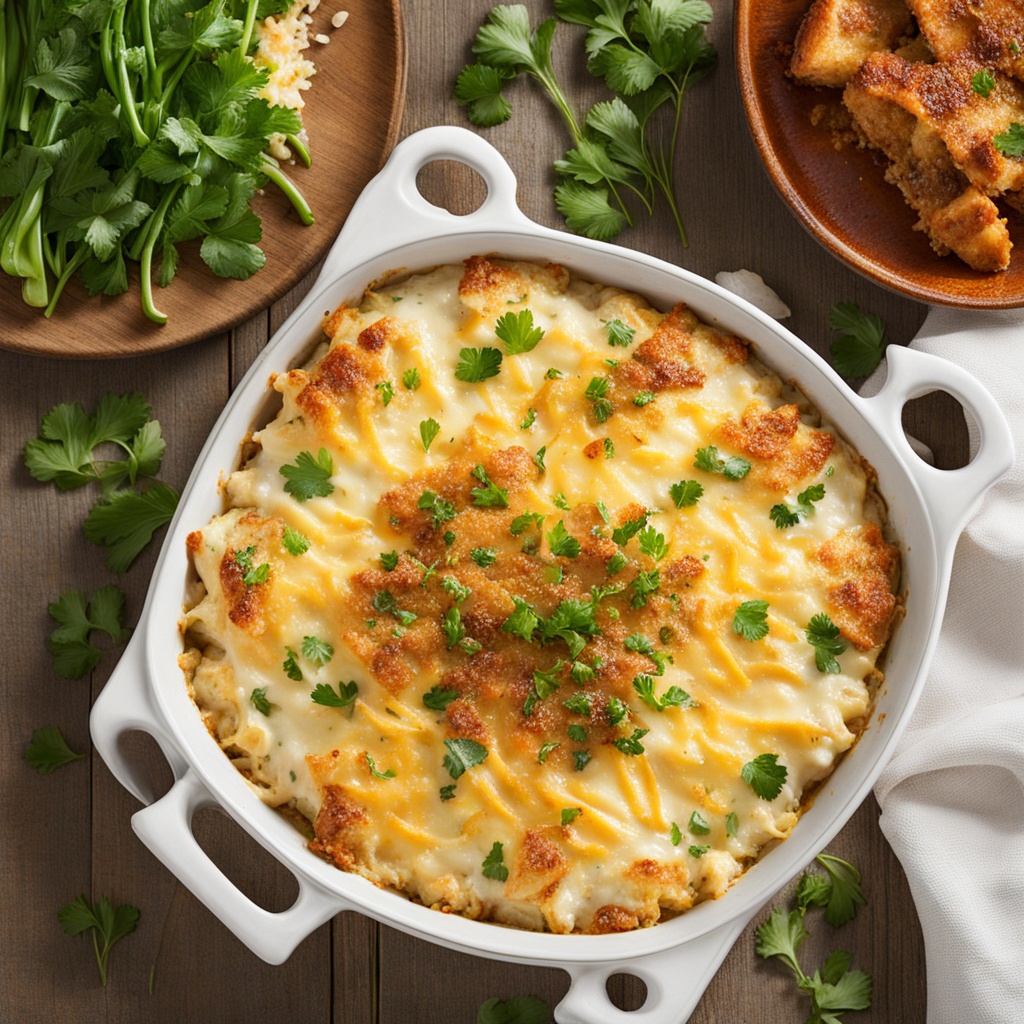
point(840, 194)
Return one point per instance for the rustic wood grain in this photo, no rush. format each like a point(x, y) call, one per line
point(70, 832)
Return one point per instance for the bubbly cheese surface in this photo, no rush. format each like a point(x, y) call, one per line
point(530, 606)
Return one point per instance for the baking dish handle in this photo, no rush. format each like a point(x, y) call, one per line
point(392, 212)
point(675, 978)
point(124, 706)
point(952, 495)
point(166, 828)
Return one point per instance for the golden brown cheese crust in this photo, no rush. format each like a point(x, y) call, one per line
point(584, 778)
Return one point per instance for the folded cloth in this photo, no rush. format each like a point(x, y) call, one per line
point(952, 797)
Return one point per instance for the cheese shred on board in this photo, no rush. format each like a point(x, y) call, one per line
point(537, 604)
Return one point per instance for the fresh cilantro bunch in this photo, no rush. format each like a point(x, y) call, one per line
point(128, 128)
point(68, 453)
point(648, 52)
point(835, 989)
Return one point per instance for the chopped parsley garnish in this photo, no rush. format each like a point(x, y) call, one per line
point(490, 495)
point(316, 650)
point(578, 703)
point(560, 501)
point(254, 574)
point(686, 493)
point(477, 364)
point(389, 560)
point(572, 621)
point(48, 750)
point(639, 643)
point(291, 666)
point(258, 699)
point(764, 775)
point(77, 617)
point(529, 419)
point(570, 814)
point(616, 710)
point(609, 448)
point(523, 621)
point(538, 459)
point(580, 759)
point(411, 379)
point(643, 398)
point(440, 509)
point(629, 529)
point(698, 825)
point(732, 824)
point(344, 697)
point(484, 556)
point(494, 864)
point(449, 537)
point(384, 601)
point(553, 374)
point(545, 749)
point(517, 331)
point(577, 733)
point(750, 620)
point(732, 468)
point(523, 522)
point(447, 792)
point(597, 391)
point(674, 697)
point(429, 429)
point(582, 673)
point(309, 477)
point(295, 543)
point(616, 563)
point(784, 516)
point(645, 584)
point(462, 755)
point(619, 334)
point(546, 681)
point(387, 391)
point(561, 543)
point(652, 543)
point(437, 698)
point(983, 82)
point(458, 591)
point(631, 745)
point(372, 765)
point(452, 627)
point(861, 342)
point(823, 635)
point(698, 851)
point(675, 835)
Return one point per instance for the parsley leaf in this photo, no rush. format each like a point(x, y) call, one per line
point(389, 560)
point(291, 666)
point(316, 650)
point(845, 894)
point(674, 697)
point(619, 334)
point(639, 643)
point(258, 699)
point(750, 620)
point(479, 88)
point(384, 601)
point(783, 516)
point(645, 584)
point(733, 468)
point(462, 755)
point(631, 745)
point(561, 543)
point(545, 749)
point(861, 342)
point(309, 477)
point(484, 557)
point(823, 635)
point(572, 621)
point(698, 825)
point(580, 759)
point(490, 495)
point(77, 617)
point(125, 522)
point(523, 522)
point(570, 814)
point(437, 698)
point(325, 695)
point(477, 364)
point(517, 331)
point(529, 419)
point(686, 493)
point(652, 543)
point(983, 82)
point(765, 776)
point(523, 621)
point(441, 511)
point(372, 765)
point(108, 923)
point(48, 750)
point(295, 543)
point(459, 591)
point(494, 864)
point(387, 391)
point(782, 935)
point(429, 429)
point(411, 379)
point(642, 398)
point(597, 391)
point(1010, 142)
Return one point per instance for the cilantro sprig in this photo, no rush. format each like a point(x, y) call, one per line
point(765, 776)
point(48, 750)
point(128, 132)
point(648, 54)
point(310, 477)
point(518, 332)
point(785, 516)
point(732, 468)
point(823, 635)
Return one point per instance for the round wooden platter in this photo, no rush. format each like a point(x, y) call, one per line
point(352, 115)
point(840, 194)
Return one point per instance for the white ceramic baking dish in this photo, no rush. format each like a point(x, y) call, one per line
point(392, 226)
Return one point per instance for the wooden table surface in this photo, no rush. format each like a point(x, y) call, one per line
point(69, 833)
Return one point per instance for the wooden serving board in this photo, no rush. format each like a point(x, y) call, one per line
point(352, 115)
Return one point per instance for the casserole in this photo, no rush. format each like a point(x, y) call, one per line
point(394, 227)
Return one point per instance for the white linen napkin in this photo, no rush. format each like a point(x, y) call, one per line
point(952, 797)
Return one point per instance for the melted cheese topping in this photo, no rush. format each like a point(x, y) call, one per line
point(537, 785)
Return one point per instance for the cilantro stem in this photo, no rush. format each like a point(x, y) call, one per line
point(250, 20)
point(81, 254)
point(126, 94)
point(155, 226)
point(285, 184)
point(300, 149)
